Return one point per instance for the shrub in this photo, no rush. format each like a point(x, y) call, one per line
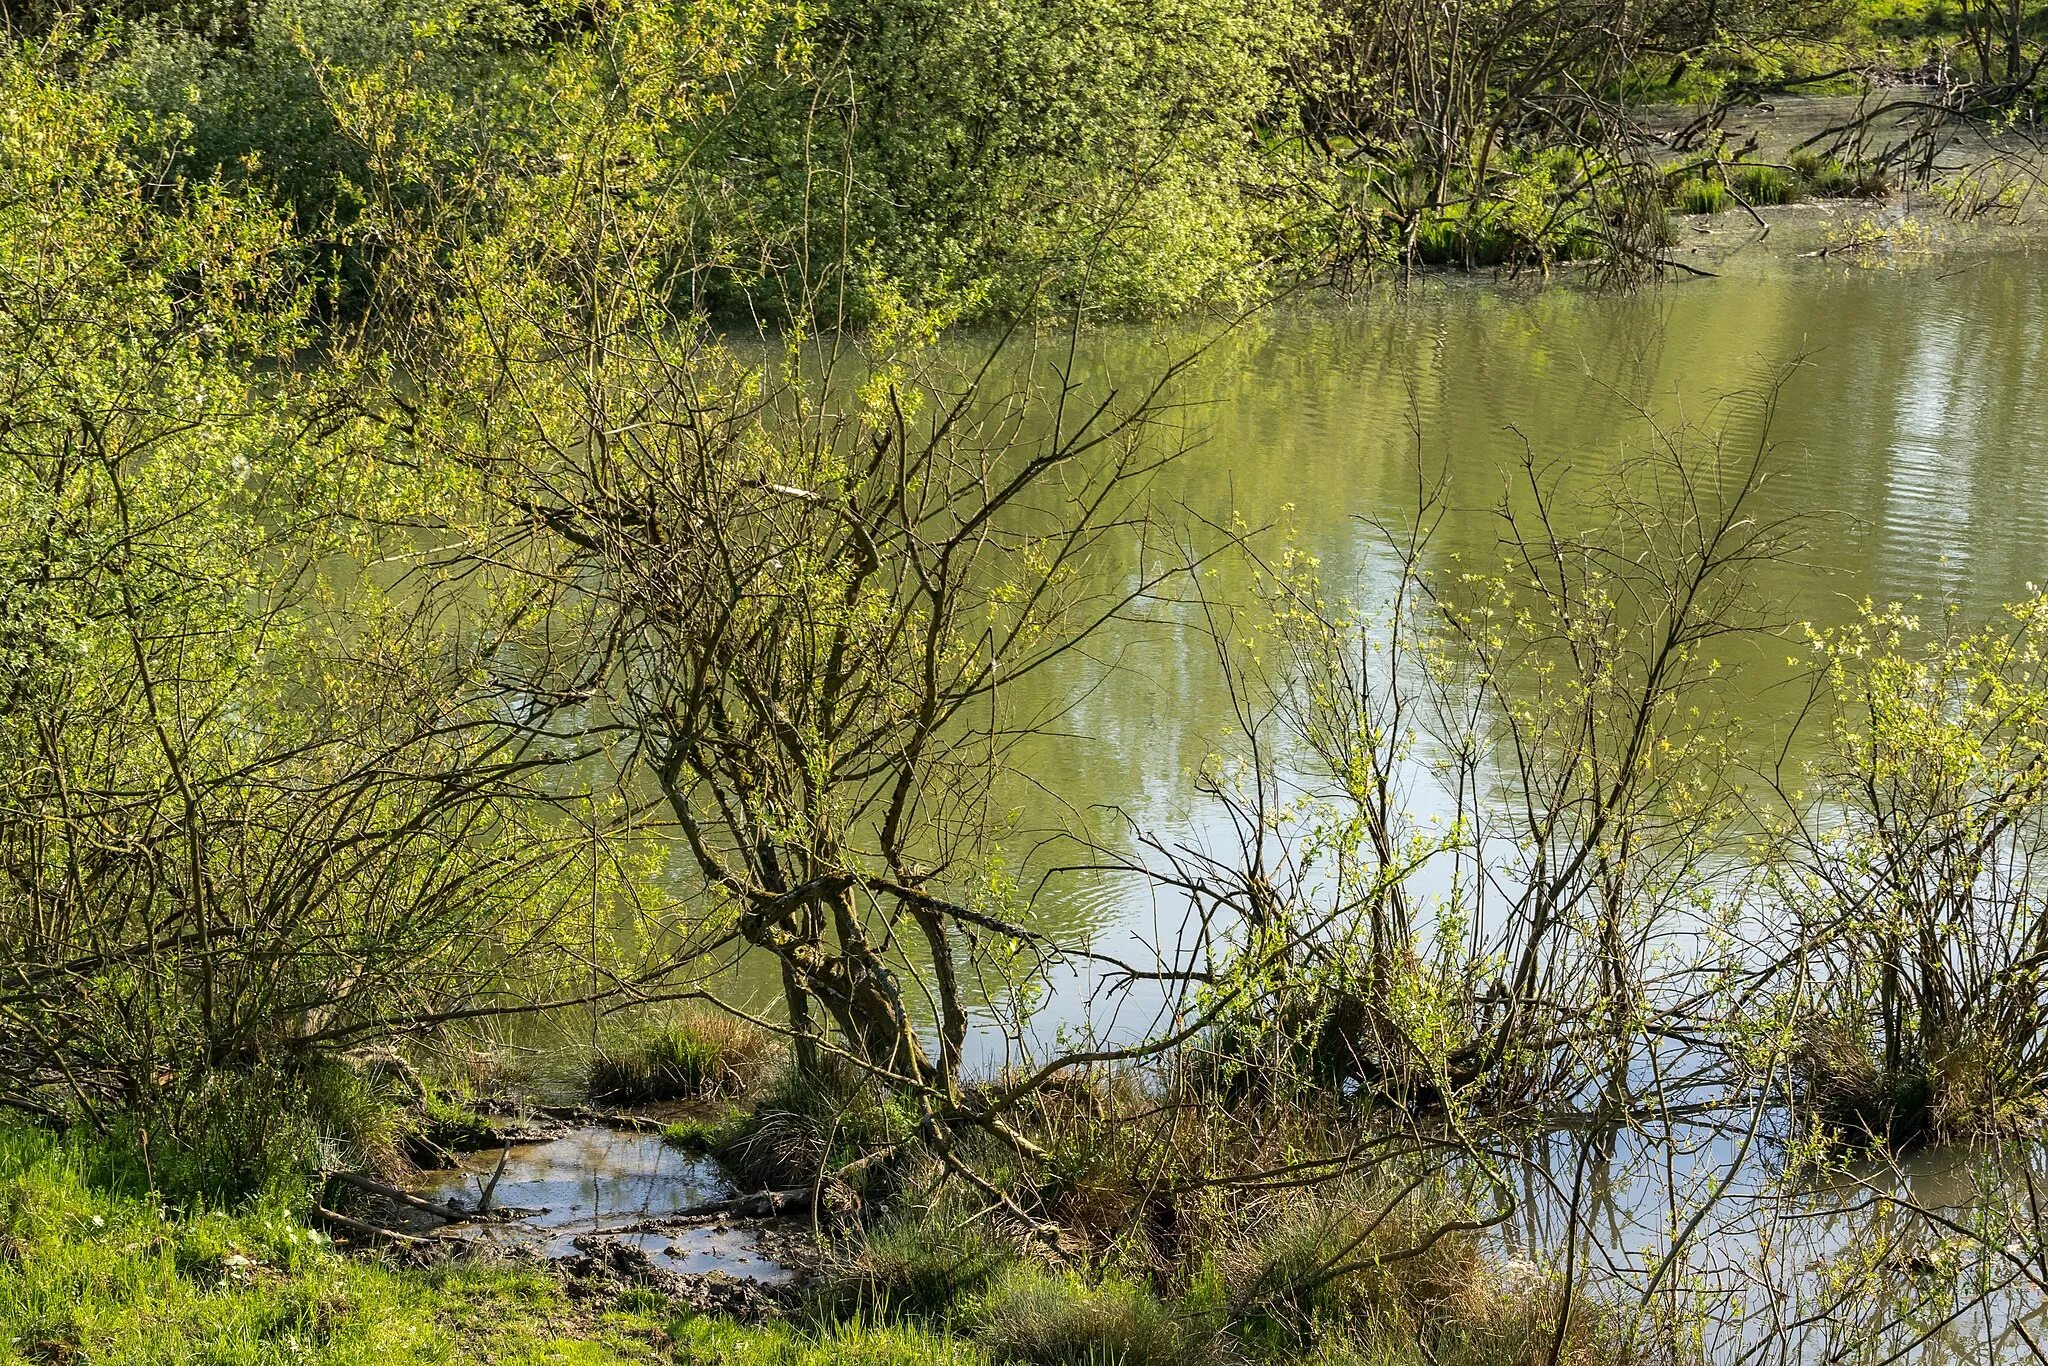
point(1049, 1319)
point(257, 101)
point(992, 138)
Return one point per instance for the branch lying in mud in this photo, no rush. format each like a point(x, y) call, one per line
point(450, 1212)
point(357, 1226)
point(766, 1204)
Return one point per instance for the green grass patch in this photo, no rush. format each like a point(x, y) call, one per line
point(1763, 185)
point(919, 1261)
point(694, 1056)
point(701, 1341)
point(1053, 1319)
point(1826, 178)
point(1697, 195)
point(93, 1274)
point(703, 1134)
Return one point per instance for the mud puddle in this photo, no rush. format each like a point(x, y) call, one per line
point(596, 1182)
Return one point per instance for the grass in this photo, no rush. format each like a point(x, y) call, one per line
point(701, 1134)
point(1056, 1319)
point(800, 1125)
point(1764, 185)
point(94, 1269)
point(700, 1341)
point(697, 1055)
point(918, 1261)
point(1828, 178)
point(114, 1276)
point(1809, 175)
point(1700, 196)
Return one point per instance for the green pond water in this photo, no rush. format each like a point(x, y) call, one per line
point(1910, 427)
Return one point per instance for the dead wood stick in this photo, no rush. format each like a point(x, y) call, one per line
point(760, 1205)
point(483, 1202)
point(342, 1221)
point(450, 1211)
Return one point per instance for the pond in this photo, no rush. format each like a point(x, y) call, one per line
point(1896, 383)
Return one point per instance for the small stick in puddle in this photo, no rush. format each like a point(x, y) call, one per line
point(483, 1203)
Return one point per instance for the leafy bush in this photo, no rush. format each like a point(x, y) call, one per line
point(258, 834)
point(255, 106)
point(1911, 880)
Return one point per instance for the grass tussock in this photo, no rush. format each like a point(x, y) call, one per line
point(1051, 1318)
point(1698, 195)
point(697, 1055)
point(860, 1341)
point(1809, 175)
point(1764, 186)
point(1971, 1091)
point(919, 1261)
point(1824, 177)
point(1362, 1266)
point(802, 1126)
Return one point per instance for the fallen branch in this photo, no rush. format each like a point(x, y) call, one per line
point(578, 1114)
point(1690, 270)
point(342, 1221)
point(760, 1205)
point(450, 1211)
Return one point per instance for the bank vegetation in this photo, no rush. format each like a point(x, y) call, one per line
point(509, 538)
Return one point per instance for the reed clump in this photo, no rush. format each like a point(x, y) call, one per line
point(1699, 195)
point(698, 1055)
point(1825, 177)
point(1764, 185)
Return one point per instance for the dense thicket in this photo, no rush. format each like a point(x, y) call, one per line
point(1147, 155)
point(256, 806)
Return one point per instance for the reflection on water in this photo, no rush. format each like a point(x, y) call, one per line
point(598, 1180)
point(1904, 423)
point(1693, 1235)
